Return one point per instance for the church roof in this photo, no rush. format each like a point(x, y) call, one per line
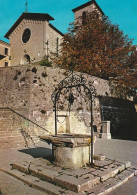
point(30, 16)
point(87, 4)
point(54, 28)
point(4, 43)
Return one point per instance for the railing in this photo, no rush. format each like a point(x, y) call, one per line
point(24, 118)
point(26, 127)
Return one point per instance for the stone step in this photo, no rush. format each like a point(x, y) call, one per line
point(5, 145)
point(38, 184)
point(16, 133)
point(8, 120)
point(9, 134)
point(112, 183)
point(9, 145)
point(15, 130)
point(84, 179)
point(101, 188)
point(10, 130)
point(17, 138)
point(9, 126)
point(12, 138)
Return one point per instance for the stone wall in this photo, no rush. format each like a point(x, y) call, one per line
point(15, 89)
point(43, 83)
point(122, 116)
point(28, 89)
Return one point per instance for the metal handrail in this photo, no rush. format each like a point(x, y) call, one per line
point(24, 117)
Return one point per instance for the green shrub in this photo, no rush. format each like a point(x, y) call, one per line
point(46, 62)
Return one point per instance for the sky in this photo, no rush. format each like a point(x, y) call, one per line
point(121, 12)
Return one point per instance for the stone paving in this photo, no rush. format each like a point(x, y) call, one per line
point(11, 186)
point(129, 188)
point(124, 150)
point(77, 180)
point(117, 149)
point(120, 149)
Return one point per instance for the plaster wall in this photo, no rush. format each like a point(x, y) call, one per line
point(2, 52)
point(51, 38)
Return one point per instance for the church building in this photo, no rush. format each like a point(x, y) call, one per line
point(32, 37)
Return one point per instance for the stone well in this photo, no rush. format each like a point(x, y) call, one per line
point(70, 150)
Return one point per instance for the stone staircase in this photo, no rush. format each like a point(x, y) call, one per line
point(15, 131)
point(45, 176)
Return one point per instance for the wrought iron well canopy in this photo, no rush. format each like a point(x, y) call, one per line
point(84, 88)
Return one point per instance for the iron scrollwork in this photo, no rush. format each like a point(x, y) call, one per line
point(74, 81)
point(83, 88)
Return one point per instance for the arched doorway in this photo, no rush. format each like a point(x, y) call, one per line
point(25, 59)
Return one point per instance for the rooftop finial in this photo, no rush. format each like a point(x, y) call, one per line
point(26, 5)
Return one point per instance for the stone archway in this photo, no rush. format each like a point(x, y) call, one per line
point(25, 59)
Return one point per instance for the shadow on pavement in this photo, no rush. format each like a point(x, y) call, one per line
point(38, 152)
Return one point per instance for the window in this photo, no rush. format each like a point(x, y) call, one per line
point(6, 64)
point(26, 35)
point(27, 59)
point(6, 51)
point(57, 46)
point(84, 18)
point(47, 45)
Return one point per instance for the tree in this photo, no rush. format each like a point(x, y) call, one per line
point(101, 49)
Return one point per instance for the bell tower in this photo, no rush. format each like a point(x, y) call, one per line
point(90, 6)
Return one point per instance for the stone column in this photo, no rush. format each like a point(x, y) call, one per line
point(106, 130)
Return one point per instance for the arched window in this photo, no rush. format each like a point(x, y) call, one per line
point(6, 64)
point(84, 15)
point(25, 59)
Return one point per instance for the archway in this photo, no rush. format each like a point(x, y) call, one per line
point(25, 59)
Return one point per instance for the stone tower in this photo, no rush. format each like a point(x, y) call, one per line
point(87, 7)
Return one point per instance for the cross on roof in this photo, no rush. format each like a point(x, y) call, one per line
point(26, 5)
